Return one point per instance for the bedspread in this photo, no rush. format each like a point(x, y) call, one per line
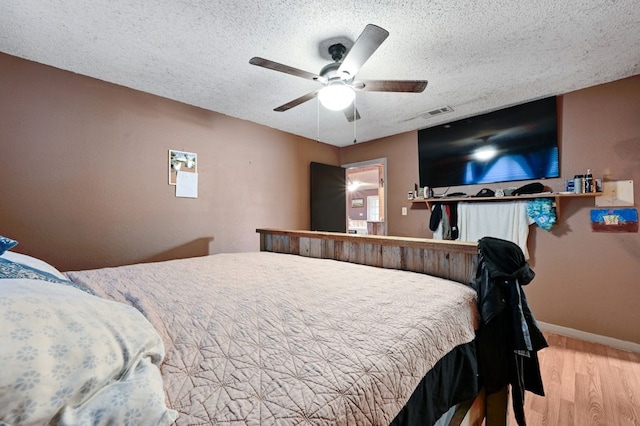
point(265, 338)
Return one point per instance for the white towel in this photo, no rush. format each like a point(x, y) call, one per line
point(506, 220)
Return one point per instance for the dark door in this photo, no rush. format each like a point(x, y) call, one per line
point(328, 198)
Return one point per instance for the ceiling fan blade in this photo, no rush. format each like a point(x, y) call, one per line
point(369, 40)
point(351, 113)
point(296, 102)
point(414, 86)
point(265, 63)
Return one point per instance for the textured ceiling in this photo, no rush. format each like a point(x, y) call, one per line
point(477, 56)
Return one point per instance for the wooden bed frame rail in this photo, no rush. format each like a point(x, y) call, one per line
point(456, 261)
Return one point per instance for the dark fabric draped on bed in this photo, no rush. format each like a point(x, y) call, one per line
point(451, 381)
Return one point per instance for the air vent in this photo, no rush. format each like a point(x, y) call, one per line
point(433, 113)
point(438, 111)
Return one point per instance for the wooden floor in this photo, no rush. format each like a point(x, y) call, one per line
point(585, 384)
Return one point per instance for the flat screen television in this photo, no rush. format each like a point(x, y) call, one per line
point(511, 144)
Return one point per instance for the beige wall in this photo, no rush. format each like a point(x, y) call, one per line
point(584, 280)
point(84, 180)
point(83, 184)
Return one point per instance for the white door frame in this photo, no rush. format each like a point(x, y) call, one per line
point(382, 161)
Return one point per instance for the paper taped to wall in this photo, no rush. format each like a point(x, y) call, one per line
point(187, 185)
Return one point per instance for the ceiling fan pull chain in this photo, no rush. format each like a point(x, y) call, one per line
point(354, 119)
point(318, 120)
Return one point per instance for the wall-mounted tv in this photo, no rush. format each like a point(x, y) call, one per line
point(511, 144)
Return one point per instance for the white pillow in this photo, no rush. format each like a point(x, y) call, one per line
point(76, 359)
point(32, 262)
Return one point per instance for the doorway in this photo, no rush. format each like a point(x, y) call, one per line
point(365, 196)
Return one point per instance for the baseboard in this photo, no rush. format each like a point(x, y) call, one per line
point(590, 337)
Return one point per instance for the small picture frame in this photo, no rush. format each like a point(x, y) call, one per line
point(181, 161)
point(357, 202)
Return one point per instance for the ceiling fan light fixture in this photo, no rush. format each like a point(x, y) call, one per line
point(336, 96)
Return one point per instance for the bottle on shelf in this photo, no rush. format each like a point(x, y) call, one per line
point(428, 192)
point(588, 182)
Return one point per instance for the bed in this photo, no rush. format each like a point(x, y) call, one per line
point(316, 328)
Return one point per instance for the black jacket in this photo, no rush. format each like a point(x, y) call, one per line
point(508, 338)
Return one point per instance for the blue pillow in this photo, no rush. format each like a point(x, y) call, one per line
point(6, 244)
point(14, 270)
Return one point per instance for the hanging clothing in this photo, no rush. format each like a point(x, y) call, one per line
point(508, 338)
point(436, 216)
point(444, 221)
point(543, 212)
point(505, 220)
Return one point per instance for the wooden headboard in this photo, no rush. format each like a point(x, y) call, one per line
point(456, 261)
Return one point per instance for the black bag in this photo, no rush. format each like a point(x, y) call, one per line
point(530, 188)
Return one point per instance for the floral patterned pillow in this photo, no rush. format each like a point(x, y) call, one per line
point(72, 358)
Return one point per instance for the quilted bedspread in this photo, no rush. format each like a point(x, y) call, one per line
point(266, 338)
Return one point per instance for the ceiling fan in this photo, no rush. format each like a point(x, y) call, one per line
point(338, 78)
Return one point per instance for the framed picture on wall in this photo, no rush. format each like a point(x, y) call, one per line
point(181, 161)
point(357, 202)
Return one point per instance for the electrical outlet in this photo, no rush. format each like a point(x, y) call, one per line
point(404, 211)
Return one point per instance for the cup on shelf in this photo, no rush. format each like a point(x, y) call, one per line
point(578, 184)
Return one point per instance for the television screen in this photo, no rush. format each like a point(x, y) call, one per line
point(511, 144)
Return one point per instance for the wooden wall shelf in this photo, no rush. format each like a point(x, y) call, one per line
point(554, 195)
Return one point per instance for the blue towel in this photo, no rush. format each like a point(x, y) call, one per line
point(541, 210)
